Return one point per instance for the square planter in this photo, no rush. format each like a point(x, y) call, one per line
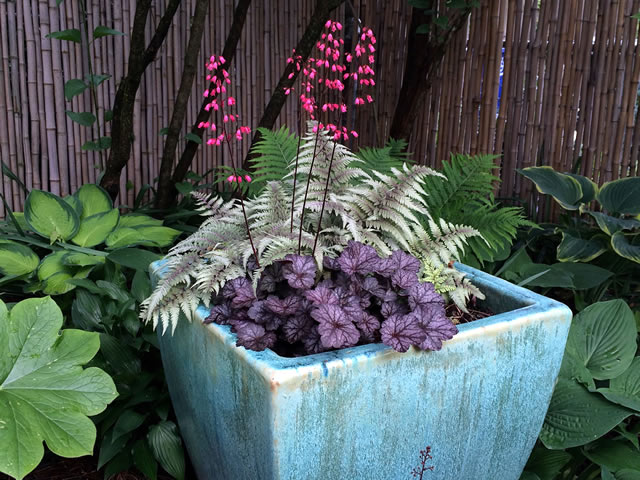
point(366, 412)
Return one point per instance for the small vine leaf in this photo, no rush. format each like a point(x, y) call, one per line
point(74, 87)
point(72, 35)
point(102, 31)
point(85, 119)
point(45, 394)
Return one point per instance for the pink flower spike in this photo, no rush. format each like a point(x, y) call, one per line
point(225, 119)
point(372, 48)
point(354, 133)
point(231, 101)
point(359, 101)
point(349, 57)
point(211, 141)
point(231, 179)
point(328, 24)
point(343, 108)
point(206, 93)
point(369, 98)
point(222, 60)
point(247, 178)
point(239, 179)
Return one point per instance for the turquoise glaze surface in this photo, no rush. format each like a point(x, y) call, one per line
point(366, 412)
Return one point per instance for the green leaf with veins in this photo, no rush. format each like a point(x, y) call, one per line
point(45, 394)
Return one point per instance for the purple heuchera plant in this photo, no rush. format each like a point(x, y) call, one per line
point(359, 298)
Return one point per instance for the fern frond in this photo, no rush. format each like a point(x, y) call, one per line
point(384, 159)
point(276, 151)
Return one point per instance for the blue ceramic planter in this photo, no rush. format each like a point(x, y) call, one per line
point(366, 412)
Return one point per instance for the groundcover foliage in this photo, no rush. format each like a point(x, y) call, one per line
point(45, 394)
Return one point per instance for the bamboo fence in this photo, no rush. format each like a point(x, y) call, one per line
point(539, 82)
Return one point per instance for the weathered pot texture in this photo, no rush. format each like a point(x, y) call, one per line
point(366, 412)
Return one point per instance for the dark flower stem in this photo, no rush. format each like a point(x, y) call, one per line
point(306, 192)
point(295, 172)
point(244, 212)
point(324, 199)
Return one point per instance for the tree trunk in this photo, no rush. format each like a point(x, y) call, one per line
point(424, 56)
point(229, 51)
point(303, 48)
point(166, 188)
point(139, 60)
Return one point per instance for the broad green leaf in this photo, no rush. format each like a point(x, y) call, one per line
point(54, 273)
point(143, 459)
point(565, 189)
point(167, 448)
point(85, 119)
point(589, 188)
point(112, 290)
point(122, 358)
point(574, 249)
point(614, 455)
point(540, 275)
point(96, 79)
point(627, 474)
point(46, 395)
point(576, 416)
point(95, 229)
point(184, 187)
point(52, 264)
point(102, 31)
point(86, 311)
point(545, 463)
point(603, 338)
point(75, 204)
point(110, 449)
point(82, 260)
point(94, 199)
point(72, 35)
point(135, 258)
point(58, 283)
point(526, 475)
point(192, 137)
point(128, 421)
point(73, 88)
point(103, 144)
point(19, 218)
point(625, 388)
point(621, 196)
point(625, 248)
point(611, 225)
point(585, 275)
point(17, 259)
point(141, 285)
point(138, 220)
point(147, 236)
point(50, 216)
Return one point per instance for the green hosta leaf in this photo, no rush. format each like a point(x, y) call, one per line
point(603, 338)
point(75, 204)
point(54, 273)
point(623, 247)
point(138, 220)
point(50, 216)
point(526, 475)
point(614, 455)
point(128, 421)
point(589, 188)
point(545, 463)
point(73, 88)
point(611, 225)
point(83, 118)
point(565, 189)
point(102, 31)
point(625, 388)
point(146, 235)
point(539, 275)
point(86, 311)
point(16, 259)
point(82, 260)
point(58, 284)
point(621, 196)
point(103, 144)
point(576, 416)
point(52, 264)
point(167, 448)
point(574, 249)
point(45, 394)
point(143, 459)
point(95, 229)
point(584, 275)
point(72, 35)
point(94, 199)
point(624, 474)
point(135, 258)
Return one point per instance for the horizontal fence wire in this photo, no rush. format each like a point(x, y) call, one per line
point(537, 82)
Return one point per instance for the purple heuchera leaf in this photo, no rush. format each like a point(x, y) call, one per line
point(330, 263)
point(401, 331)
point(313, 342)
point(220, 314)
point(388, 309)
point(335, 330)
point(322, 295)
point(367, 323)
point(435, 325)
point(284, 306)
point(399, 260)
point(296, 328)
point(372, 285)
point(239, 291)
point(299, 271)
point(253, 336)
point(404, 279)
point(359, 258)
point(424, 294)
